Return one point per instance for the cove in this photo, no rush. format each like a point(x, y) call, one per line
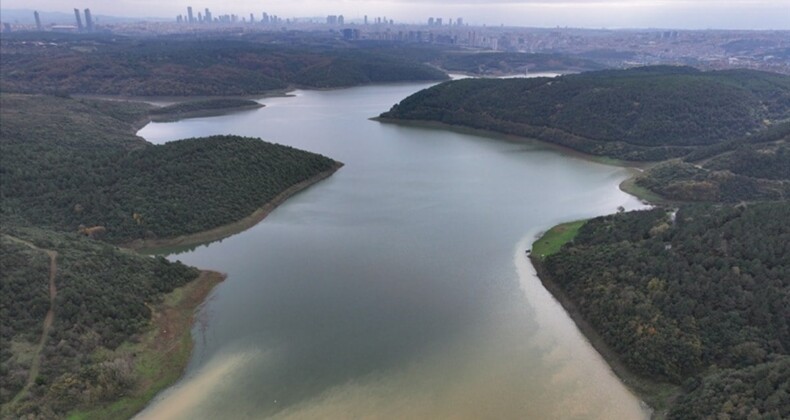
point(398, 287)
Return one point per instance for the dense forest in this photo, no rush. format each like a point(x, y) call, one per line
point(645, 114)
point(104, 299)
point(76, 312)
point(84, 168)
point(177, 66)
point(697, 297)
point(755, 167)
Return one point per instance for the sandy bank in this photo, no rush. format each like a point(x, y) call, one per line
point(657, 395)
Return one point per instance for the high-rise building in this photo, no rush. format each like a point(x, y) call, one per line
point(430, 21)
point(88, 20)
point(79, 19)
point(207, 16)
point(366, 19)
point(190, 17)
point(341, 20)
point(460, 21)
point(252, 18)
point(38, 20)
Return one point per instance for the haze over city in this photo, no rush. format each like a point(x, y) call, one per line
point(679, 14)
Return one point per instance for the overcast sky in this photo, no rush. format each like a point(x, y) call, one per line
point(687, 14)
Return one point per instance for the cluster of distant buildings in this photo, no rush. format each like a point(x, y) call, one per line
point(206, 17)
point(88, 26)
point(711, 49)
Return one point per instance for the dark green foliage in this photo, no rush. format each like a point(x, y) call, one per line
point(651, 113)
point(751, 168)
point(760, 391)
point(675, 298)
point(83, 167)
point(102, 301)
point(187, 67)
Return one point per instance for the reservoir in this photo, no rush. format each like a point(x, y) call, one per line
point(398, 288)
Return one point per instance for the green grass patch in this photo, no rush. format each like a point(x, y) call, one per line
point(551, 241)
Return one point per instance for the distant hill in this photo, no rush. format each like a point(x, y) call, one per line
point(184, 66)
point(646, 114)
point(501, 63)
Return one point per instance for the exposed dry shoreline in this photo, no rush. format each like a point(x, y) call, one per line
point(657, 395)
point(231, 228)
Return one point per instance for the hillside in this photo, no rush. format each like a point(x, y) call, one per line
point(91, 329)
point(697, 298)
point(185, 66)
point(93, 348)
point(756, 167)
point(642, 114)
point(81, 166)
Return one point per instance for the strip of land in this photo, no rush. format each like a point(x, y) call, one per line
point(224, 231)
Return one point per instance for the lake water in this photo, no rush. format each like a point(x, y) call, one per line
point(397, 288)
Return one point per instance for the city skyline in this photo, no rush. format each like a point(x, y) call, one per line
point(678, 14)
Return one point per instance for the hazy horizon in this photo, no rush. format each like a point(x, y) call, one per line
point(594, 14)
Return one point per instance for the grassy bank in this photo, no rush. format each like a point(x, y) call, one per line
point(551, 242)
point(163, 351)
point(657, 395)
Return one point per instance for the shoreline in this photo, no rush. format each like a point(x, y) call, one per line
point(165, 348)
point(628, 186)
point(498, 135)
point(211, 112)
point(221, 232)
point(658, 396)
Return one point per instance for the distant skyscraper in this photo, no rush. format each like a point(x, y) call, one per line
point(341, 20)
point(207, 16)
point(190, 17)
point(79, 19)
point(252, 18)
point(38, 20)
point(366, 19)
point(460, 21)
point(88, 20)
point(430, 21)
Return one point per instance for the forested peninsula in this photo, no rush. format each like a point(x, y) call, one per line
point(688, 301)
point(640, 114)
point(94, 330)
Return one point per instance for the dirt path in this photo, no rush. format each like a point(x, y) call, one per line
point(35, 366)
